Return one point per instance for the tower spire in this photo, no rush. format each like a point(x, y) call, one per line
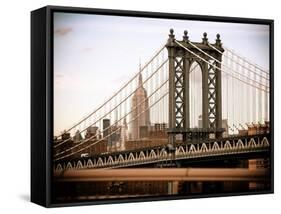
point(140, 75)
point(139, 64)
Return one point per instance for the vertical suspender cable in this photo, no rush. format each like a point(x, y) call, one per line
point(227, 99)
point(254, 103)
point(233, 100)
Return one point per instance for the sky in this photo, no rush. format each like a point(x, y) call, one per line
point(94, 55)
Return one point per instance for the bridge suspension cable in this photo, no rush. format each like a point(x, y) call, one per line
point(244, 60)
point(237, 85)
point(135, 107)
point(255, 95)
point(114, 109)
point(263, 70)
point(119, 104)
point(157, 54)
point(83, 141)
point(261, 84)
point(116, 106)
point(218, 67)
point(111, 133)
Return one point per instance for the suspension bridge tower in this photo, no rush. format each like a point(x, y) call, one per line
point(181, 55)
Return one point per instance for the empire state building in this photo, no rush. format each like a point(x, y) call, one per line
point(140, 112)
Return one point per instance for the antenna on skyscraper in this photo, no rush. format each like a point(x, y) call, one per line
point(140, 75)
point(139, 64)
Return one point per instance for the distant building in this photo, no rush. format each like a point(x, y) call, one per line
point(106, 131)
point(140, 116)
point(224, 125)
point(158, 130)
point(200, 122)
point(77, 137)
point(143, 131)
point(115, 136)
point(124, 136)
point(92, 132)
point(65, 135)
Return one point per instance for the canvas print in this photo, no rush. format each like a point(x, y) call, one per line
point(152, 107)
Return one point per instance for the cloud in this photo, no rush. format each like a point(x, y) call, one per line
point(58, 76)
point(63, 31)
point(86, 49)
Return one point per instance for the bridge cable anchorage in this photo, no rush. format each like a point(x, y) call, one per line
point(114, 95)
point(79, 144)
point(218, 67)
point(244, 60)
point(106, 114)
point(266, 87)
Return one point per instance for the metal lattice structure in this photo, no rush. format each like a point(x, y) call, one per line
point(180, 61)
point(179, 93)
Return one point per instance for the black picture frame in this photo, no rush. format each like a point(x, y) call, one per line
point(42, 97)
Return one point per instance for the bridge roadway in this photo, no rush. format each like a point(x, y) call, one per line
point(163, 174)
point(234, 147)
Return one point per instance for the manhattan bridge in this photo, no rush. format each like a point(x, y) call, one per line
point(191, 104)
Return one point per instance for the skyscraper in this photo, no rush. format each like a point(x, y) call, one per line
point(140, 112)
point(123, 135)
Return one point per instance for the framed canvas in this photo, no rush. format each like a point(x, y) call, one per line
point(131, 106)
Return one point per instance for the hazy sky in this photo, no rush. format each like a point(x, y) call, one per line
point(95, 55)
